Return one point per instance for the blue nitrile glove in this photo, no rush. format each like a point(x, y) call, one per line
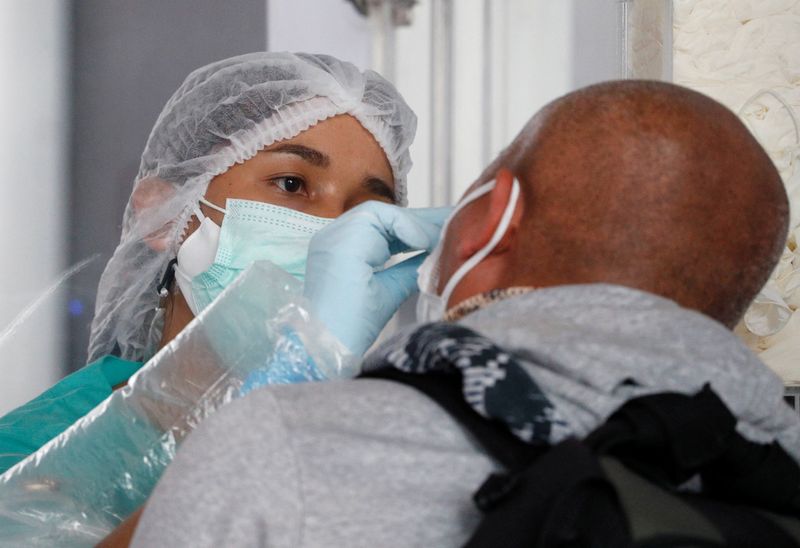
point(353, 300)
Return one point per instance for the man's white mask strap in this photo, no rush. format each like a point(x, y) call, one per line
point(499, 232)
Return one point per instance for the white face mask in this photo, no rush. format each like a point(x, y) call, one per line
point(432, 307)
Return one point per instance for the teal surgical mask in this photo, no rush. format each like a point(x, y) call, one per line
point(212, 256)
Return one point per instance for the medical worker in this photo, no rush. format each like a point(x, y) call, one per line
point(250, 158)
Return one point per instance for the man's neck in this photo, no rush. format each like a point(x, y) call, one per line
point(482, 300)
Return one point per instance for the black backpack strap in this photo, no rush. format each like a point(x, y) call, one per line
point(761, 475)
point(446, 389)
point(604, 491)
point(669, 438)
point(743, 526)
point(518, 505)
point(562, 499)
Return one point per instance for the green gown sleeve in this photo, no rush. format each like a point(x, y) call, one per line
point(27, 428)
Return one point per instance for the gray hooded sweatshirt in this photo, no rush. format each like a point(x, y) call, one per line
point(375, 463)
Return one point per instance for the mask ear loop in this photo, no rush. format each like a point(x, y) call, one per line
point(778, 98)
point(197, 212)
point(499, 232)
point(437, 253)
point(468, 199)
point(215, 207)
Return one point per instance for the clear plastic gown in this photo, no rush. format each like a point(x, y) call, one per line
point(82, 484)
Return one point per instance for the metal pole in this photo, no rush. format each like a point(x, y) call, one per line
point(624, 39)
point(666, 73)
point(645, 39)
point(380, 16)
point(488, 83)
point(441, 102)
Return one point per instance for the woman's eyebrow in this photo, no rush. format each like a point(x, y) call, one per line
point(380, 188)
point(310, 155)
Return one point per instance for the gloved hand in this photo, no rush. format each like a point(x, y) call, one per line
point(353, 300)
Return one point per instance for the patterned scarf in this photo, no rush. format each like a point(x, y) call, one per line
point(495, 384)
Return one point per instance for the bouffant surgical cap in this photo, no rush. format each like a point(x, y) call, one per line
point(221, 115)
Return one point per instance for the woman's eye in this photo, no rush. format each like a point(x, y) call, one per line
point(290, 184)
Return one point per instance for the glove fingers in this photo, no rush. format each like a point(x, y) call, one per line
point(433, 220)
point(400, 281)
point(410, 230)
point(415, 229)
point(396, 227)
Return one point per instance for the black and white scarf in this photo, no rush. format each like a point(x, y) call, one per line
point(495, 384)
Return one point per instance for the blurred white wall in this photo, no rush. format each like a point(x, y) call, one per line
point(33, 102)
point(319, 26)
point(509, 58)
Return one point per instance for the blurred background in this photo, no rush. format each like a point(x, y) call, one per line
point(84, 81)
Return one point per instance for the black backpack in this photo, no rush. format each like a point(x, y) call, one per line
point(625, 485)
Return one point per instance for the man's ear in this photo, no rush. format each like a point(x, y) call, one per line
point(499, 197)
point(149, 193)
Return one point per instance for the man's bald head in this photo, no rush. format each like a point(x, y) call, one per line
point(648, 185)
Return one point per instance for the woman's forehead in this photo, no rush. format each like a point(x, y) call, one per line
point(342, 134)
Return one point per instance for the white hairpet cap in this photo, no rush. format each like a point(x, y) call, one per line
point(223, 114)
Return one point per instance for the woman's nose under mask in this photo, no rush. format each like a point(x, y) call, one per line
point(211, 258)
point(432, 307)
